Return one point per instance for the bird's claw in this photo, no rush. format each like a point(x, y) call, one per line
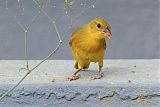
point(73, 77)
point(97, 76)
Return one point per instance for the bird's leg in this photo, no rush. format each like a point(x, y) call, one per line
point(74, 76)
point(76, 65)
point(98, 75)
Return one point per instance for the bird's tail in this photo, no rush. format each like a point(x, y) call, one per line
point(84, 67)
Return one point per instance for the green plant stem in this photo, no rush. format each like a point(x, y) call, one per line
point(51, 54)
point(13, 88)
point(26, 49)
point(53, 21)
point(29, 71)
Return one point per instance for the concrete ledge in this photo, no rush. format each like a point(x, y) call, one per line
point(127, 83)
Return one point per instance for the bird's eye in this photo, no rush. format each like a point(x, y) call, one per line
point(98, 25)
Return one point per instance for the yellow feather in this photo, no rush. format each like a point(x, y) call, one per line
point(87, 44)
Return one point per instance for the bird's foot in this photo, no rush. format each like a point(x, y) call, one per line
point(73, 77)
point(99, 75)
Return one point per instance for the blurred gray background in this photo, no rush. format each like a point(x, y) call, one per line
point(135, 28)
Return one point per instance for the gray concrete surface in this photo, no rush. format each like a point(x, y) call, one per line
point(127, 83)
point(134, 27)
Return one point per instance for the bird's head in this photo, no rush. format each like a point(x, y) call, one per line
point(100, 28)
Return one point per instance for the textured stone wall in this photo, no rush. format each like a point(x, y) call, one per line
point(118, 89)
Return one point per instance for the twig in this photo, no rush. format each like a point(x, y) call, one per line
point(25, 30)
point(51, 54)
point(53, 21)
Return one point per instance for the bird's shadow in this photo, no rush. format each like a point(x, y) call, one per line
point(108, 71)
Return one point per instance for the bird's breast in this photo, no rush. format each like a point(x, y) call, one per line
point(90, 49)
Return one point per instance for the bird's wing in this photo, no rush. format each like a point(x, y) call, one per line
point(74, 34)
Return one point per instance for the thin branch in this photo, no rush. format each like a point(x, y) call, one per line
point(33, 20)
point(53, 21)
point(75, 18)
point(29, 71)
point(51, 54)
point(18, 23)
point(26, 38)
point(12, 89)
point(26, 48)
point(25, 30)
point(85, 10)
point(55, 26)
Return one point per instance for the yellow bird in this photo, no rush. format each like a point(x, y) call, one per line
point(88, 45)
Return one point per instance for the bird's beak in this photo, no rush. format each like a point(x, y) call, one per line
point(107, 33)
